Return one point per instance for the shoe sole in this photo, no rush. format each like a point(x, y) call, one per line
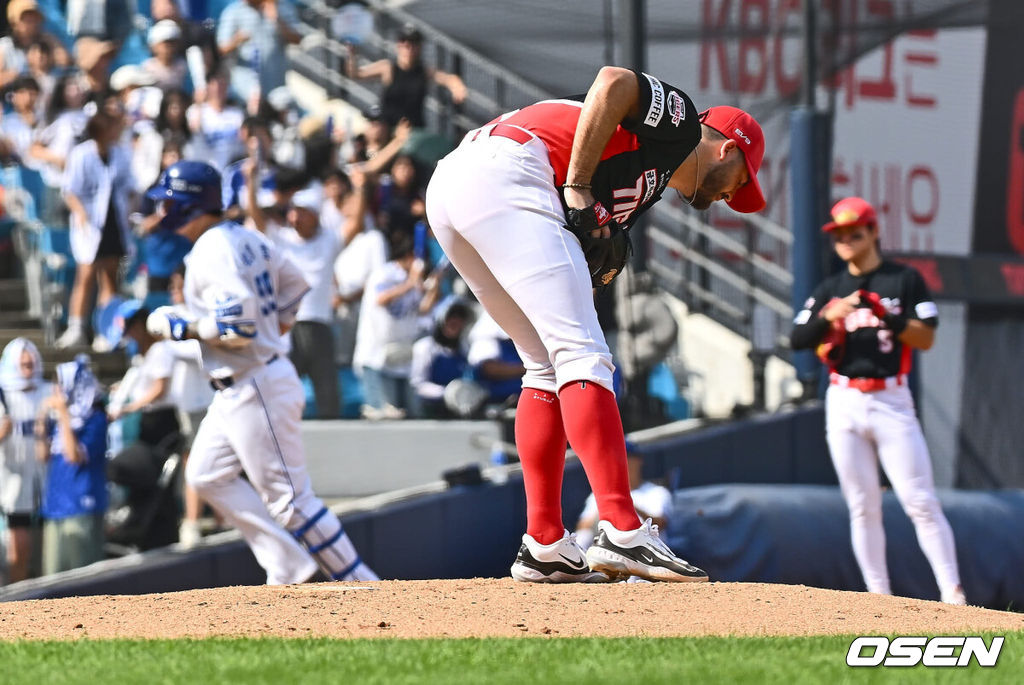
point(618, 568)
point(525, 574)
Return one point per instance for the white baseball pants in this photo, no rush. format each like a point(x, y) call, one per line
point(863, 429)
point(494, 209)
point(254, 426)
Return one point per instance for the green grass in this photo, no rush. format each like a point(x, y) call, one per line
point(528, 661)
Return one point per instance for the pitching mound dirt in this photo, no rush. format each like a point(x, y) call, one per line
point(491, 608)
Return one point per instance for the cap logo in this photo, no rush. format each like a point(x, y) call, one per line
point(846, 216)
point(742, 135)
point(182, 186)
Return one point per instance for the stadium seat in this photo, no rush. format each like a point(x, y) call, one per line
point(662, 385)
point(350, 394)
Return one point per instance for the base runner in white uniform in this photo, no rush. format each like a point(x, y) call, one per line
point(241, 294)
point(512, 207)
point(865, 322)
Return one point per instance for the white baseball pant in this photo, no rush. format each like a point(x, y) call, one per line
point(863, 429)
point(494, 209)
point(255, 426)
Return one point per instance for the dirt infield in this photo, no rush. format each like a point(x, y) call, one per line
point(491, 608)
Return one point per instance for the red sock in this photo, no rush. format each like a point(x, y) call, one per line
point(540, 440)
point(594, 427)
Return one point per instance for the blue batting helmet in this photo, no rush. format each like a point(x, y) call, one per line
point(191, 185)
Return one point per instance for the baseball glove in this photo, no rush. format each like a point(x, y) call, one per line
point(874, 301)
point(606, 257)
point(832, 346)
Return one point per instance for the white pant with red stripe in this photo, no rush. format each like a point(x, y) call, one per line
point(255, 426)
point(494, 209)
point(863, 429)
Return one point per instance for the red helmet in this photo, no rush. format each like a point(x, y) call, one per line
point(851, 211)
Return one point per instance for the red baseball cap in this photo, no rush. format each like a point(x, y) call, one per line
point(851, 211)
point(742, 128)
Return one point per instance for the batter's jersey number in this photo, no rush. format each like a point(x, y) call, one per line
point(265, 291)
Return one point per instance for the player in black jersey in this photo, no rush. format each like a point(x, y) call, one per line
point(866, 321)
point(520, 207)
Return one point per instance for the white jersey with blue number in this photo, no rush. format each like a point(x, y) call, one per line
point(250, 287)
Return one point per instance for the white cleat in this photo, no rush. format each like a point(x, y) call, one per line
point(189, 534)
point(560, 562)
point(641, 552)
point(955, 595)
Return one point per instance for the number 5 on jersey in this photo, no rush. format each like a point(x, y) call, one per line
point(265, 291)
point(884, 340)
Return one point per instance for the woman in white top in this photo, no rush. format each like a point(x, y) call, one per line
point(390, 321)
point(22, 392)
point(64, 125)
point(97, 183)
point(151, 393)
point(216, 124)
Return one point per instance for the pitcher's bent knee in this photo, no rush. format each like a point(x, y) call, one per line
point(595, 367)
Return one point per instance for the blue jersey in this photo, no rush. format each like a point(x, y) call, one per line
point(76, 489)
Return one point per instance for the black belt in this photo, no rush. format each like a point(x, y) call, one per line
point(225, 382)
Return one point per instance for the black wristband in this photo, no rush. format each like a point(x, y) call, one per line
point(896, 323)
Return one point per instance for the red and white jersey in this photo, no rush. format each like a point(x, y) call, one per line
point(641, 156)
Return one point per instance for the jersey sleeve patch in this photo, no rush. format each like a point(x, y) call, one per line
point(656, 109)
point(665, 113)
point(926, 310)
point(803, 317)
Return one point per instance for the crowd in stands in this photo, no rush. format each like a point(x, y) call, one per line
point(99, 121)
point(96, 104)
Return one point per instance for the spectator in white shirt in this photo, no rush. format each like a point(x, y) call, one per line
point(217, 123)
point(22, 393)
point(97, 184)
point(253, 34)
point(18, 127)
point(64, 125)
point(41, 67)
point(26, 22)
point(167, 66)
point(152, 515)
point(313, 249)
point(394, 300)
point(150, 394)
point(365, 250)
